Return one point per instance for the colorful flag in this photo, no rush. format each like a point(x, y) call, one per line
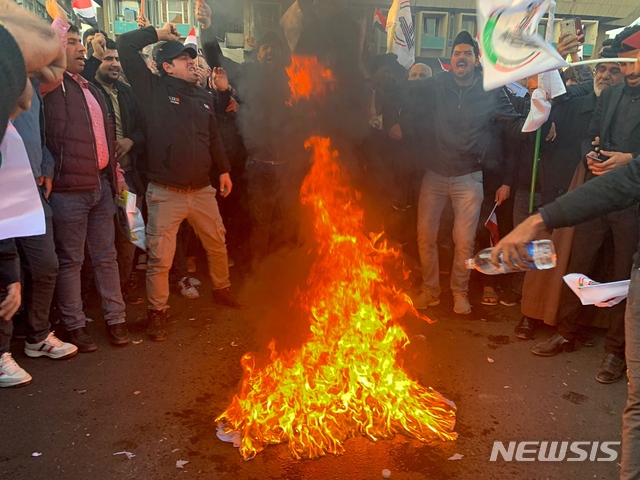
point(401, 34)
point(491, 224)
point(512, 48)
point(445, 65)
point(379, 21)
point(192, 38)
point(85, 10)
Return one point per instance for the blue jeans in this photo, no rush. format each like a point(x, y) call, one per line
point(81, 218)
point(630, 469)
point(466, 197)
point(40, 264)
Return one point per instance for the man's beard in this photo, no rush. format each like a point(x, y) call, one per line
point(597, 89)
point(107, 79)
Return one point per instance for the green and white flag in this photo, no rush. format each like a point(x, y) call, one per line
point(511, 47)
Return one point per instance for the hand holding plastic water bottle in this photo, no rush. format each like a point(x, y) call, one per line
point(512, 250)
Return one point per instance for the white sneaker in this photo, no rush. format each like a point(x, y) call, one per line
point(11, 375)
point(187, 290)
point(51, 347)
point(425, 299)
point(461, 303)
point(195, 282)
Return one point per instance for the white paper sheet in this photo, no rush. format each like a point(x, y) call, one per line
point(21, 213)
point(599, 294)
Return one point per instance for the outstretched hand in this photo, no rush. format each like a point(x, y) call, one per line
point(203, 14)
point(220, 79)
point(512, 249)
point(42, 52)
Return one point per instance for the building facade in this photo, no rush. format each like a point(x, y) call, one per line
point(437, 22)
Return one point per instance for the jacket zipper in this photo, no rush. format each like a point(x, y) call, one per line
point(461, 95)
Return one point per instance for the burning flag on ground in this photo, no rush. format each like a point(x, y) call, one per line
point(512, 48)
point(346, 379)
point(401, 34)
point(85, 10)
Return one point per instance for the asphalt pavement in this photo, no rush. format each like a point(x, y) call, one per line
point(158, 401)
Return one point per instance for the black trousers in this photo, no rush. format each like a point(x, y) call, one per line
point(588, 241)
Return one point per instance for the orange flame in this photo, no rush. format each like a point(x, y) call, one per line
point(308, 78)
point(345, 380)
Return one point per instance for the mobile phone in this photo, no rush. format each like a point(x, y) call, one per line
point(597, 157)
point(569, 27)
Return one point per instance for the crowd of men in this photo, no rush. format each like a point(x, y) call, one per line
point(210, 145)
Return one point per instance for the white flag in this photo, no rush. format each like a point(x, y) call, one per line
point(511, 47)
point(401, 34)
point(550, 86)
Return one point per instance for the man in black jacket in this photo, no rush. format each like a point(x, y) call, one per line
point(456, 121)
point(127, 118)
point(616, 126)
point(617, 190)
point(184, 148)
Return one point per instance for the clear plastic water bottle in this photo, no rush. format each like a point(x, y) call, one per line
point(542, 251)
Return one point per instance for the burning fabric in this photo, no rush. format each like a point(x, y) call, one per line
point(345, 381)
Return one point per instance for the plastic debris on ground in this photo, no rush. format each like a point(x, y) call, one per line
point(129, 455)
point(386, 473)
point(36, 454)
point(490, 360)
point(234, 344)
point(181, 463)
point(233, 437)
point(457, 456)
point(137, 392)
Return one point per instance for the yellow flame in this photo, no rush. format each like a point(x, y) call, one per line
point(345, 381)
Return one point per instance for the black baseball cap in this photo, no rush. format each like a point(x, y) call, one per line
point(173, 49)
point(465, 38)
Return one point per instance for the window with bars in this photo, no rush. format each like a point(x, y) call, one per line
point(266, 17)
point(176, 11)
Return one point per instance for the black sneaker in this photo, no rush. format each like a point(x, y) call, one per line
point(157, 329)
point(224, 296)
point(80, 338)
point(118, 334)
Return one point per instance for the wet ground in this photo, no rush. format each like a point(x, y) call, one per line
point(159, 401)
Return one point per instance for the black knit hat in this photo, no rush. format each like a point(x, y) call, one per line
point(465, 38)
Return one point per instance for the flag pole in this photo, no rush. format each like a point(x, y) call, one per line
point(534, 174)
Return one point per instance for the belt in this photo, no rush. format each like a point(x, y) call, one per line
point(177, 189)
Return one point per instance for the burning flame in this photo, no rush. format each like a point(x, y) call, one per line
point(345, 380)
point(308, 78)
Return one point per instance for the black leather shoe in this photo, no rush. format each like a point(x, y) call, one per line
point(118, 334)
point(612, 369)
point(553, 346)
point(157, 329)
point(80, 338)
point(225, 296)
point(525, 328)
